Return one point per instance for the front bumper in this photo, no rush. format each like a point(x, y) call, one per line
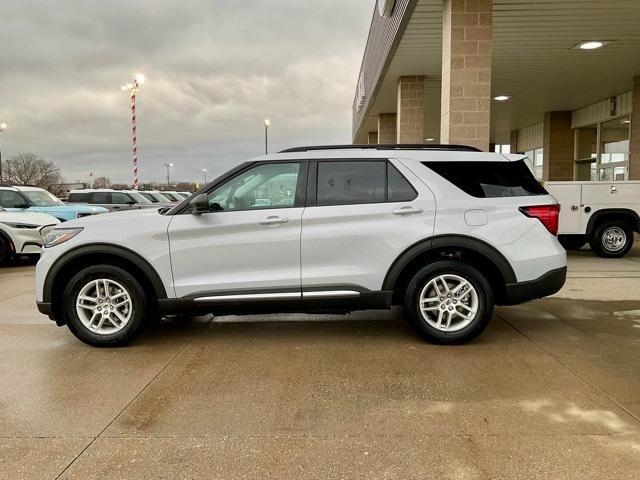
point(543, 286)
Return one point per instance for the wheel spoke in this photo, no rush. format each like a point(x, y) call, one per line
point(119, 315)
point(93, 317)
point(466, 307)
point(449, 317)
point(459, 287)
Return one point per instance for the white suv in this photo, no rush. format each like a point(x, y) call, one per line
point(446, 231)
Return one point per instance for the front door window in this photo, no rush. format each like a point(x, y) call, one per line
point(270, 185)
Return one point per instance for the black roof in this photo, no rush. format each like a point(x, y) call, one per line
point(388, 146)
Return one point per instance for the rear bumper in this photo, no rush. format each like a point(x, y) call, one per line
point(545, 285)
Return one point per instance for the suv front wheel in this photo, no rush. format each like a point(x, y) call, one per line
point(105, 306)
point(449, 302)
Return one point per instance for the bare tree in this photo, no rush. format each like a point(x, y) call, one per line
point(102, 182)
point(31, 169)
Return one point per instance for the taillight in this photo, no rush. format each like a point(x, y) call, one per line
point(547, 214)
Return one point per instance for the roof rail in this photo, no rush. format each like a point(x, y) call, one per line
point(389, 146)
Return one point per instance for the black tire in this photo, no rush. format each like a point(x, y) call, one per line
point(612, 239)
point(140, 311)
point(572, 242)
point(477, 324)
point(5, 251)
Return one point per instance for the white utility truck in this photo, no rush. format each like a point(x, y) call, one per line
point(605, 214)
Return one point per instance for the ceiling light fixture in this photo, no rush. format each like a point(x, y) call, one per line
point(429, 139)
point(590, 45)
point(502, 98)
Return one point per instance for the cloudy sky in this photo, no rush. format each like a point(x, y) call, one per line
point(215, 69)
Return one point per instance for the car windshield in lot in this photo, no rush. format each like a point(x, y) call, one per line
point(139, 198)
point(160, 197)
point(172, 197)
point(42, 198)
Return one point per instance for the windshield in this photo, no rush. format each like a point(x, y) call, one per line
point(42, 198)
point(172, 196)
point(139, 197)
point(160, 198)
point(149, 197)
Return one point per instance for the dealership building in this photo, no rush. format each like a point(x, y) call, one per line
point(558, 80)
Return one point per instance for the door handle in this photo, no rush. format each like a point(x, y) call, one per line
point(273, 220)
point(407, 210)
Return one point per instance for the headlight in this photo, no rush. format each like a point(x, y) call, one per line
point(20, 225)
point(60, 235)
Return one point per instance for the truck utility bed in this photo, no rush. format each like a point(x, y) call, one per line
point(605, 214)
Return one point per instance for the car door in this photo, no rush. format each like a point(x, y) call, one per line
point(361, 215)
point(249, 244)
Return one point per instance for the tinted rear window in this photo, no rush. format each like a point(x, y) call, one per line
point(489, 179)
point(78, 197)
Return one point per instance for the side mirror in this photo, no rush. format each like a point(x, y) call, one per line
point(199, 204)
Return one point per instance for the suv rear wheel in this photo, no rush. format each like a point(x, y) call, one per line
point(449, 302)
point(612, 239)
point(105, 306)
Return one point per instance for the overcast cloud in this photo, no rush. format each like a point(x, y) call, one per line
point(215, 69)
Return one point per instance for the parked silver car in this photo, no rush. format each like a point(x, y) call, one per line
point(113, 200)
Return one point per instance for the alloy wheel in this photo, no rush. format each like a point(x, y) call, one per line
point(104, 306)
point(449, 302)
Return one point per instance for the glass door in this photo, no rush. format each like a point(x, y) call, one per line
point(614, 149)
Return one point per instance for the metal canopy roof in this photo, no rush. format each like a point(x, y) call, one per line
point(533, 60)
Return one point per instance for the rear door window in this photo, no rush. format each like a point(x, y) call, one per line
point(346, 183)
point(101, 197)
point(78, 197)
point(489, 179)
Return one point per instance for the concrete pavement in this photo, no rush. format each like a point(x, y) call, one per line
point(550, 390)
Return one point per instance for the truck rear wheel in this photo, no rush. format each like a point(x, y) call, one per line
point(612, 239)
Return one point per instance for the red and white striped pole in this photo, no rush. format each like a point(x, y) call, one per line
point(132, 88)
point(136, 181)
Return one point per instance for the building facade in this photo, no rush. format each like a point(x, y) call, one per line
point(557, 80)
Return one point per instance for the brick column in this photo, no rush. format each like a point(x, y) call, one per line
point(558, 146)
point(387, 128)
point(410, 124)
point(513, 141)
point(634, 144)
point(466, 72)
point(372, 138)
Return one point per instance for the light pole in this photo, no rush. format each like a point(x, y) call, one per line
point(3, 127)
point(168, 166)
point(204, 173)
point(132, 87)
point(267, 124)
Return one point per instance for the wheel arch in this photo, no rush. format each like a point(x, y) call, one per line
point(471, 250)
point(9, 241)
point(69, 263)
point(625, 214)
